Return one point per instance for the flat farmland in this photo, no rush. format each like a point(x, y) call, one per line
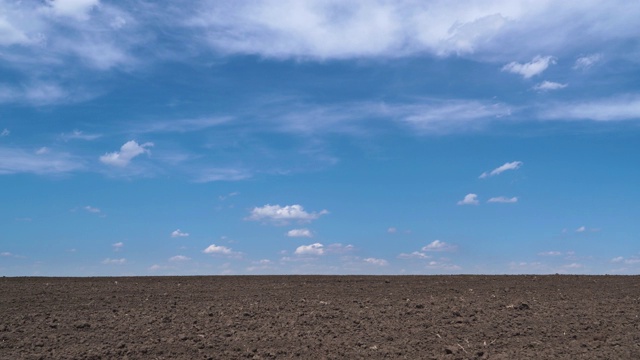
point(321, 317)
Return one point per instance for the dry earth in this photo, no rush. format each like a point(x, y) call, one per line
point(321, 317)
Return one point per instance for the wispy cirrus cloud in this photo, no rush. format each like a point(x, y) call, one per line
point(586, 62)
point(616, 108)
point(535, 67)
point(514, 165)
point(15, 161)
point(438, 245)
point(549, 85)
point(109, 261)
point(503, 200)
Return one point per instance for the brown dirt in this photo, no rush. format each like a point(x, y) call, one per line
point(321, 317)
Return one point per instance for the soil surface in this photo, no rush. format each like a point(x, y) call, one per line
point(321, 317)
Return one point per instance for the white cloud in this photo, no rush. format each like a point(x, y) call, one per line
point(550, 253)
point(581, 229)
point(15, 161)
point(79, 135)
point(43, 150)
point(319, 29)
point(549, 85)
point(300, 233)
point(178, 233)
point(338, 248)
point(221, 174)
point(573, 266)
point(284, 213)
point(618, 108)
point(469, 199)
point(514, 165)
point(378, 262)
point(438, 245)
point(503, 199)
point(627, 261)
point(414, 255)
point(538, 65)
point(117, 246)
point(392, 230)
point(312, 249)
point(91, 209)
point(109, 261)
point(77, 9)
point(443, 265)
point(6, 254)
point(5, 132)
point(586, 62)
point(215, 249)
point(433, 116)
point(127, 152)
point(178, 258)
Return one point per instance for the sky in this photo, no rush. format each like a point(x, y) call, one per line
point(319, 137)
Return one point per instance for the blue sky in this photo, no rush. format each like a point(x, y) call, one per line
point(324, 137)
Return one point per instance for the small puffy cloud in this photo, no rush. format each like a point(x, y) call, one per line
point(127, 152)
point(215, 249)
point(469, 199)
point(585, 62)
point(581, 229)
point(117, 246)
point(5, 132)
point(550, 253)
point(438, 245)
point(377, 262)
point(549, 85)
point(313, 249)
point(43, 150)
point(617, 259)
point(6, 254)
point(514, 165)
point(179, 258)
point(503, 199)
point(279, 213)
point(527, 70)
point(91, 209)
point(392, 230)
point(178, 233)
point(109, 261)
point(300, 233)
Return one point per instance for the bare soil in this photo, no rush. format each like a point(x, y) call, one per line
point(321, 317)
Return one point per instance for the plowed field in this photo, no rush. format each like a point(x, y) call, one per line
point(321, 317)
